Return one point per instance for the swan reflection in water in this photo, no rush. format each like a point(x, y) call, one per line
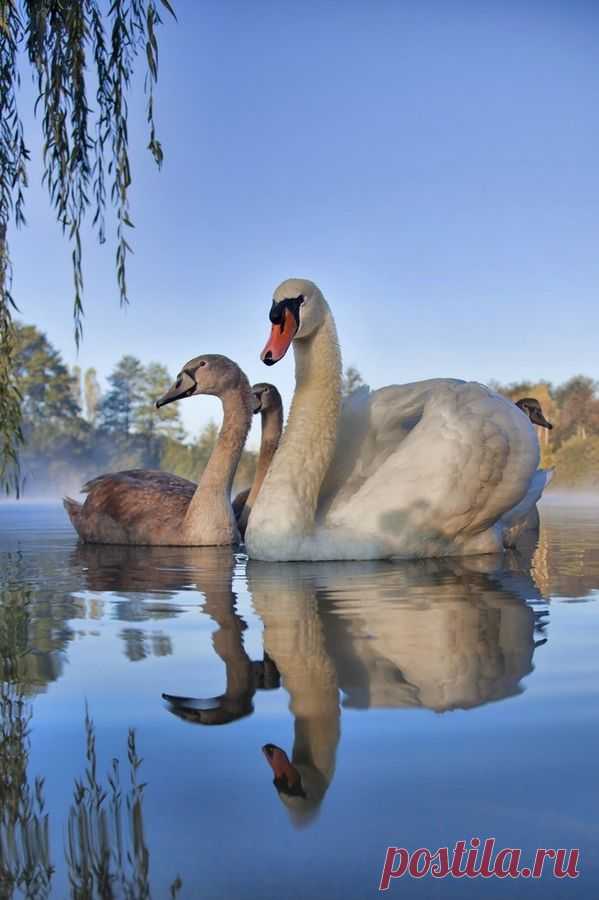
point(161, 574)
point(433, 634)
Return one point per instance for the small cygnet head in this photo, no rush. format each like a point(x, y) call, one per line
point(298, 310)
point(266, 398)
point(532, 408)
point(207, 374)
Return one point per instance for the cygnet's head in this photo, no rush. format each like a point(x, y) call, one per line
point(207, 374)
point(532, 408)
point(266, 398)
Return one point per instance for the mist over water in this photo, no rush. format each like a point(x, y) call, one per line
point(53, 493)
point(573, 498)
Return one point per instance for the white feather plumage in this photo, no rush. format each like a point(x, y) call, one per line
point(434, 468)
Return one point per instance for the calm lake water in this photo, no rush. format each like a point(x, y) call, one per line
point(422, 703)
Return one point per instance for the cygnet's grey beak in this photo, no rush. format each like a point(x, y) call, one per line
point(539, 419)
point(184, 386)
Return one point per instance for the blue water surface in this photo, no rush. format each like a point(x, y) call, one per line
point(421, 704)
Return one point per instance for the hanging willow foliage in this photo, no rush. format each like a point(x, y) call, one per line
point(85, 151)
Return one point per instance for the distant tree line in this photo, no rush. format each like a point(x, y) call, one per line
point(74, 431)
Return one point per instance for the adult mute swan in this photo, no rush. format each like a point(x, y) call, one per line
point(146, 506)
point(434, 468)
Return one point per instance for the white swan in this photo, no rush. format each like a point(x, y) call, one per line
point(417, 470)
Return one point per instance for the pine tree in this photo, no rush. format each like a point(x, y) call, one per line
point(46, 386)
point(155, 423)
point(119, 406)
point(351, 381)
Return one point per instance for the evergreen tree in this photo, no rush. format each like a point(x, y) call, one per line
point(120, 405)
point(46, 386)
point(351, 381)
point(155, 423)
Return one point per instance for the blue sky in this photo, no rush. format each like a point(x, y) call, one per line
point(433, 166)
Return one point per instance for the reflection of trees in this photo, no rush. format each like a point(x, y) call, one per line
point(566, 561)
point(41, 623)
point(106, 852)
point(140, 644)
point(33, 629)
point(144, 580)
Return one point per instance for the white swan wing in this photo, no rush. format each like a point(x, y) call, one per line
point(467, 459)
point(372, 424)
point(524, 515)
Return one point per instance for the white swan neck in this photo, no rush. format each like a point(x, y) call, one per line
point(289, 496)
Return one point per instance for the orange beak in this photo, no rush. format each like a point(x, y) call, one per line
point(280, 339)
point(279, 762)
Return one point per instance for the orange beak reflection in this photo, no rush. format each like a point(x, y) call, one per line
point(280, 339)
point(278, 760)
point(287, 777)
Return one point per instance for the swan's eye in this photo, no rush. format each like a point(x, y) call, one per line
point(202, 362)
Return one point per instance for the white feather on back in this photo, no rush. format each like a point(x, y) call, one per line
point(372, 424)
point(417, 470)
point(419, 465)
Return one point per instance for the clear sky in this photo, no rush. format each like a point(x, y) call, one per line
point(433, 166)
